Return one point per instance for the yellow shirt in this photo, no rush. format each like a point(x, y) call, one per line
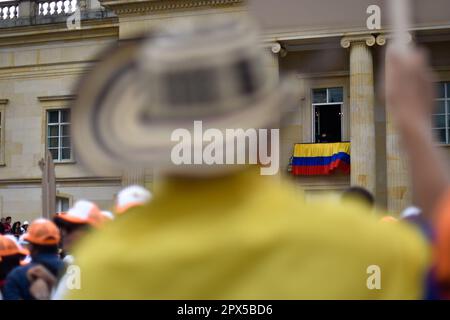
point(247, 236)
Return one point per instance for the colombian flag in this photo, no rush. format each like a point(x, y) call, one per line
point(320, 158)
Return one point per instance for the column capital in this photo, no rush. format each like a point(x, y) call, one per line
point(368, 39)
point(275, 48)
point(384, 37)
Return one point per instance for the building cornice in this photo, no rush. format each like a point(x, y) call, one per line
point(68, 180)
point(323, 75)
point(57, 98)
point(45, 70)
point(35, 34)
point(125, 7)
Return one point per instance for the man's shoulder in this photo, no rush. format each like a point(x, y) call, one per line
point(18, 275)
point(333, 223)
point(19, 271)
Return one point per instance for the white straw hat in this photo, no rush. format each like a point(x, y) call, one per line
point(212, 70)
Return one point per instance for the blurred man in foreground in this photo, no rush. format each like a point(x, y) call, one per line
point(217, 232)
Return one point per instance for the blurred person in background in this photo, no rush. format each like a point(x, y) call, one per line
point(131, 196)
point(25, 226)
point(11, 255)
point(414, 216)
point(410, 212)
point(16, 229)
point(232, 233)
point(75, 224)
point(25, 244)
point(2, 228)
point(7, 225)
point(77, 221)
point(43, 237)
point(360, 195)
point(108, 215)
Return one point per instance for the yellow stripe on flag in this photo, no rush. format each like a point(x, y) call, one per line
point(320, 149)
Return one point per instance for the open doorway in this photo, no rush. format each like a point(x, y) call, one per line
point(328, 123)
point(327, 115)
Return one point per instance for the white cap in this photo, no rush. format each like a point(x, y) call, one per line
point(83, 212)
point(108, 214)
point(410, 212)
point(25, 222)
point(132, 196)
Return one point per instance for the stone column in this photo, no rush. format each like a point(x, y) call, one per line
point(362, 121)
point(273, 51)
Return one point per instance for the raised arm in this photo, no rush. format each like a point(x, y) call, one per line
point(410, 99)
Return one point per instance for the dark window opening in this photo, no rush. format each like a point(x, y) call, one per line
point(327, 120)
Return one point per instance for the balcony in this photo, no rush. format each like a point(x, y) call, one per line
point(320, 159)
point(14, 13)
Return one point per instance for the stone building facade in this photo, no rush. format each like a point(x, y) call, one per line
point(42, 57)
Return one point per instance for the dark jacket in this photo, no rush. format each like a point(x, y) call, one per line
point(17, 284)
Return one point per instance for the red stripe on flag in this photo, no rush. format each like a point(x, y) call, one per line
point(321, 170)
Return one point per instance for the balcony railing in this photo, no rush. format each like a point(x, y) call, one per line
point(51, 8)
point(9, 10)
point(19, 13)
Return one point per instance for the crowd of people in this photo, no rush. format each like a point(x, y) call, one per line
point(17, 228)
point(34, 263)
point(234, 234)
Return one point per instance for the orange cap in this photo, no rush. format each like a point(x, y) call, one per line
point(42, 232)
point(9, 246)
point(83, 212)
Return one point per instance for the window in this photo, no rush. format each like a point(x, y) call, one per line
point(441, 116)
point(58, 134)
point(327, 113)
point(62, 204)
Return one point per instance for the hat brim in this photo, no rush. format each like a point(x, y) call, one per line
point(48, 242)
point(19, 251)
point(24, 252)
point(65, 218)
point(91, 138)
